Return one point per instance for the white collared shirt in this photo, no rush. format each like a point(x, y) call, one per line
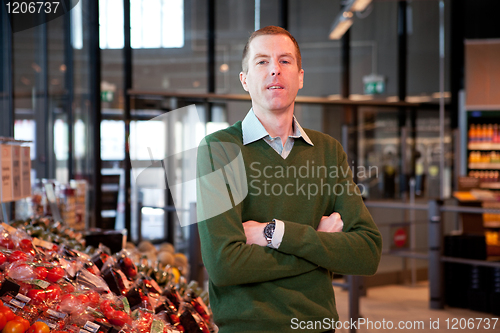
point(253, 130)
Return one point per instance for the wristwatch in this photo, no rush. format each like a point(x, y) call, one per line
point(269, 232)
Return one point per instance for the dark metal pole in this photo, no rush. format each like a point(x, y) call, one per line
point(350, 146)
point(210, 55)
point(284, 14)
point(345, 64)
point(42, 115)
point(127, 63)
point(354, 288)
point(436, 284)
point(6, 76)
point(457, 36)
point(211, 46)
point(197, 270)
point(69, 86)
point(95, 104)
point(402, 49)
point(350, 112)
point(6, 90)
point(402, 89)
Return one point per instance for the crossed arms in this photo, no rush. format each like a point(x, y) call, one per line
point(234, 252)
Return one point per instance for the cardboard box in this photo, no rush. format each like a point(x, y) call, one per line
point(6, 194)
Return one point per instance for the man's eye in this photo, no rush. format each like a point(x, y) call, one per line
point(285, 61)
point(261, 62)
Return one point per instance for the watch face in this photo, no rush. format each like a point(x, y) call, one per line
point(269, 231)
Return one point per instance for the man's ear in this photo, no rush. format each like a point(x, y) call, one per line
point(301, 78)
point(243, 80)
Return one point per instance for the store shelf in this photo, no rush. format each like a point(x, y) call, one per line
point(484, 166)
point(484, 146)
point(492, 186)
point(492, 224)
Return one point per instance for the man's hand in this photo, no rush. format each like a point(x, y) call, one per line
point(332, 223)
point(254, 231)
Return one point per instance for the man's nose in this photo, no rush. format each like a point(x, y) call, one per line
point(275, 69)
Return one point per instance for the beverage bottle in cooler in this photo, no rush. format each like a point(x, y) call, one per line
point(489, 133)
point(472, 133)
point(496, 135)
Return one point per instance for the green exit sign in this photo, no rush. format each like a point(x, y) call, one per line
point(107, 96)
point(374, 84)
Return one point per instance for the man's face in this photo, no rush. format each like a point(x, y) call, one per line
point(273, 78)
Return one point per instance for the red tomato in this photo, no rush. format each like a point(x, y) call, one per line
point(102, 320)
point(67, 288)
point(83, 298)
point(41, 272)
point(3, 258)
point(39, 327)
point(27, 246)
point(55, 274)
point(68, 298)
point(104, 257)
point(23, 321)
point(93, 297)
point(37, 295)
point(3, 321)
point(105, 305)
point(7, 312)
point(131, 273)
point(7, 243)
point(53, 293)
point(13, 327)
point(18, 255)
point(120, 318)
point(107, 308)
point(25, 287)
point(128, 262)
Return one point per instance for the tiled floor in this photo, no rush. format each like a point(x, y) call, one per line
point(409, 305)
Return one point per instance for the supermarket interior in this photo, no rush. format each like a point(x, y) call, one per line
point(104, 103)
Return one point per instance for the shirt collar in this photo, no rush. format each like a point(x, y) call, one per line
point(253, 129)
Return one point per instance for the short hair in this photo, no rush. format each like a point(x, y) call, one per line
point(269, 30)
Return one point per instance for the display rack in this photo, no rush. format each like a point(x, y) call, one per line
point(483, 156)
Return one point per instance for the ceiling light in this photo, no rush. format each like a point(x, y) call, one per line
point(341, 24)
point(359, 5)
point(224, 68)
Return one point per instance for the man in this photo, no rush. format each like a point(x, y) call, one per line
point(271, 254)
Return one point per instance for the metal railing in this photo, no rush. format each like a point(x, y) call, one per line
point(435, 255)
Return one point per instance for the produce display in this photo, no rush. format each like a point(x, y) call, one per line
point(50, 282)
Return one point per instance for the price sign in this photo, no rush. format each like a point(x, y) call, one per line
point(16, 172)
point(25, 172)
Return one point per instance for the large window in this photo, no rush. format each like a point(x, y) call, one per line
point(154, 24)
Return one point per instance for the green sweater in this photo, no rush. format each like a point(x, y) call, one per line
point(260, 289)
